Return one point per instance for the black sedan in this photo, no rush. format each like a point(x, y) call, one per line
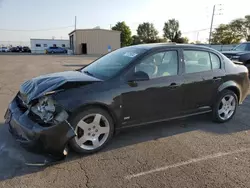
point(131, 86)
point(240, 54)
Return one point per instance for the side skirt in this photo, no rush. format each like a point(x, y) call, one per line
point(167, 119)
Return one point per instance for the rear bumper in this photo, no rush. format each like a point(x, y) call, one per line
point(31, 135)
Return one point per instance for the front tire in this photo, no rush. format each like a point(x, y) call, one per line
point(225, 106)
point(94, 128)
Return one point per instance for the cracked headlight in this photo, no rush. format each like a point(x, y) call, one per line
point(49, 111)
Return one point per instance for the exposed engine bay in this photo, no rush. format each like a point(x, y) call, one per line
point(49, 111)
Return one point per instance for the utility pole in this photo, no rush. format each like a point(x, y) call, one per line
point(212, 21)
point(75, 22)
point(211, 27)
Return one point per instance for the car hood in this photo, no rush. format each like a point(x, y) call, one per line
point(235, 52)
point(39, 86)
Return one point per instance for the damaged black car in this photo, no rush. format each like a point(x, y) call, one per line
point(128, 87)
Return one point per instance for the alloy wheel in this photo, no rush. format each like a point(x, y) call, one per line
point(92, 131)
point(227, 107)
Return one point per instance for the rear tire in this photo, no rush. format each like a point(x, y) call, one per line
point(94, 128)
point(225, 106)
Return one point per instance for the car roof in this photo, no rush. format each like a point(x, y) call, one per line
point(170, 45)
point(163, 45)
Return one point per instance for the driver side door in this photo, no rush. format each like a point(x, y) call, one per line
point(156, 98)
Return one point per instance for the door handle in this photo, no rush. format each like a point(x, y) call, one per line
point(174, 85)
point(216, 78)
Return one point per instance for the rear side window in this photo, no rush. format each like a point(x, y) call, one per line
point(215, 61)
point(196, 61)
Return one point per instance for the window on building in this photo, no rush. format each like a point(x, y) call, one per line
point(197, 61)
point(63, 45)
point(38, 45)
point(45, 45)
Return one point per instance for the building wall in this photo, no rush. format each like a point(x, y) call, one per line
point(46, 43)
point(97, 40)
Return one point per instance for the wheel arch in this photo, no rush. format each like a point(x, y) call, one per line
point(96, 105)
point(233, 86)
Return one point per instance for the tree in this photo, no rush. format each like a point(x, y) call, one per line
point(198, 42)
point(136, 40)
point(247, 25)
point(126, 38)
point(147, 33)
point(183, 40)
point(226, 34)
point(238, 28)
point(171, 30)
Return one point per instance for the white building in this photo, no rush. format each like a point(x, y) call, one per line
point(39, 45)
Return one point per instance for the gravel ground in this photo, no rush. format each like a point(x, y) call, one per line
point(192, 152)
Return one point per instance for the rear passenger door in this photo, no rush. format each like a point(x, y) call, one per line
point(203, 75)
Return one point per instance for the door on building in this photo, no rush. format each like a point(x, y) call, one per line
point(84, 48)
point(71, 42)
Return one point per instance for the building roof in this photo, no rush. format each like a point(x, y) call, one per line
point(52, 39)
point(93, 30)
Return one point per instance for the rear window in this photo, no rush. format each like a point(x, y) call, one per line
point(215, 61)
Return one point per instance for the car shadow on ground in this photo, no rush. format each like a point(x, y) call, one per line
point(14, 159)
point(74, 65)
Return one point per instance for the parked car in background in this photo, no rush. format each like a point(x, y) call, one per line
point(4, 49)
point(128, 87)
point(240, 54)
point(54, 50)
point(26, 49)
point(14, 49)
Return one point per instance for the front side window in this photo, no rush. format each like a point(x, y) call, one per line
point(159, 64)
point(196, 61)
point(109, 65)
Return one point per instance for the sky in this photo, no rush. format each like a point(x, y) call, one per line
point(21, 20)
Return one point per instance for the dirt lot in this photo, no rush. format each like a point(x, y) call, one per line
point(192, 152)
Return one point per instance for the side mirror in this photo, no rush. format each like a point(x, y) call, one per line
point(139, 76)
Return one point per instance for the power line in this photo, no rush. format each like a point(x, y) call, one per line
point(34, 30)
point(197, 30)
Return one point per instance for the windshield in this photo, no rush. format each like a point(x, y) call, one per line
point(109, 65)
point(240, 47)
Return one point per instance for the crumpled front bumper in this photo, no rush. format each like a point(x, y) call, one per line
point(30, 134)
